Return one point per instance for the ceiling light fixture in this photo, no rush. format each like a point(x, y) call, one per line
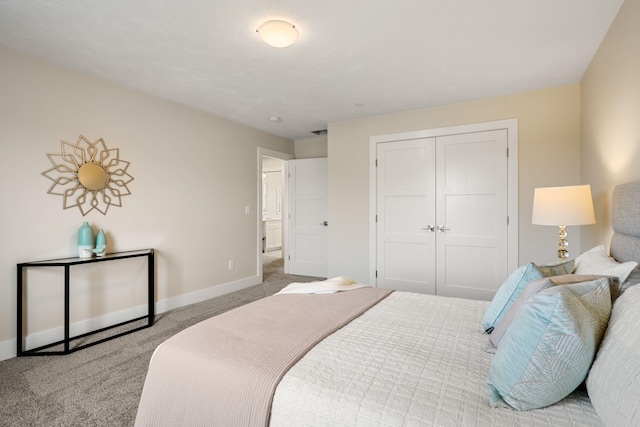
point(278, 33)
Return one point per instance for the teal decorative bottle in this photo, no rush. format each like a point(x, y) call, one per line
point(101, 243)
point(85, 241)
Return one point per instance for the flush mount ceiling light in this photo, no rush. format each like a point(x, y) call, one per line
point(278, 33)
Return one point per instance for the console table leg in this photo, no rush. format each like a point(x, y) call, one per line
point(151, 277)
point(66, 309)
point(19, 311)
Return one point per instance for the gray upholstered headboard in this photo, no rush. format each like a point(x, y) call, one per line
point(625, 219)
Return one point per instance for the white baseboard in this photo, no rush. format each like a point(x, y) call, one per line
point(8, 348)
point(41, 338)
point(205, 294)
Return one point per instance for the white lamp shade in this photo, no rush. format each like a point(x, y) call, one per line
point(278, 33)
point(571, 205)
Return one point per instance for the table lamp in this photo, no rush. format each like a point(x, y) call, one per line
point(562, 206)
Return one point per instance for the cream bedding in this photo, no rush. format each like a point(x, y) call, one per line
point(411, 360)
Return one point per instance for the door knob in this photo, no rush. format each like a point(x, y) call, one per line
point(429, 228)
point(441, 229)
point(324, 223)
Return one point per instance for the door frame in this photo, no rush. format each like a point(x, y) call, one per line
point(511, 125)
point(265, 152)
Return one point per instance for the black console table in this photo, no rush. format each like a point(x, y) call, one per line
point(66, 263)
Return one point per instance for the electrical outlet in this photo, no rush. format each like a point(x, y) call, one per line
point(246, 210)
point(231, 264)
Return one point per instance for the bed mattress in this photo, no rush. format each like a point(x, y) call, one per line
point(412, 360)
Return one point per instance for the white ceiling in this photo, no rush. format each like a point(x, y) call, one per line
point(354, 58)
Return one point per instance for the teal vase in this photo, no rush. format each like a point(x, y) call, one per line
point(101, 243)
point(85, 241)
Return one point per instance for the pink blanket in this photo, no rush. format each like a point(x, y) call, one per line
point(224, 370)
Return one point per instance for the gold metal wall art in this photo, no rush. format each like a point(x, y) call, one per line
point(88, 175)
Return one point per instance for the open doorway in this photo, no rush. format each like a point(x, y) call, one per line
point(271, 210)
point(273, 170)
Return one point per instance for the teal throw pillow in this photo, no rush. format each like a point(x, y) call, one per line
point(507, 293)
point(547, 351)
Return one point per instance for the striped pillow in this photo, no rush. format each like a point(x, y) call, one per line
point(547, 351)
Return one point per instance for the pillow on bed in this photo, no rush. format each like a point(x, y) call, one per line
point(613, 383)
point(547, 351)
point(596, 261)
point(533, 288)
point(507, 293)
point(632, 279)
point(550, 270)
point(570, 279)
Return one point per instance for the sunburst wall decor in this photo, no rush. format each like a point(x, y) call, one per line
point(88, 175)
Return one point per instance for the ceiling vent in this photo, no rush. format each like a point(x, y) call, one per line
point(319, 132)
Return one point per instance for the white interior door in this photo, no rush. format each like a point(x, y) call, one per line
point(471, 203)
point(406, 215)
point(307, 217)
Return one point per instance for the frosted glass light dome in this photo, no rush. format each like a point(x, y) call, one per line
point(278, 33)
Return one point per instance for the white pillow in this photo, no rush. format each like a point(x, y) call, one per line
point(614, 380)
point(596, 261)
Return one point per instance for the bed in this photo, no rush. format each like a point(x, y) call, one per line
point(370, 357)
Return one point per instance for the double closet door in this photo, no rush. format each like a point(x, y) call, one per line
point(442, 214)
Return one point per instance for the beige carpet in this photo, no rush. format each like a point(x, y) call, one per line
point(101, 385)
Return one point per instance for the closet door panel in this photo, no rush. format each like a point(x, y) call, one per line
point(405, 258)
point(472, 211)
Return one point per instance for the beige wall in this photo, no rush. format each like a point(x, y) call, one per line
point(194, 174)
point(610, 91)
point(549, 154)
point(311, 148)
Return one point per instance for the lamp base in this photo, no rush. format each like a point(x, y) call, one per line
point(563, 253)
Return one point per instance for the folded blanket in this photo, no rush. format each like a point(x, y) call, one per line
point(223, 371)
point(330, 286)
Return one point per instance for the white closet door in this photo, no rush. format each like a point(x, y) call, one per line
point(307, 237)
point(471, 205)
point(405, 211)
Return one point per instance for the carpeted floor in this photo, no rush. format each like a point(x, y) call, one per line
point(101, 385)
